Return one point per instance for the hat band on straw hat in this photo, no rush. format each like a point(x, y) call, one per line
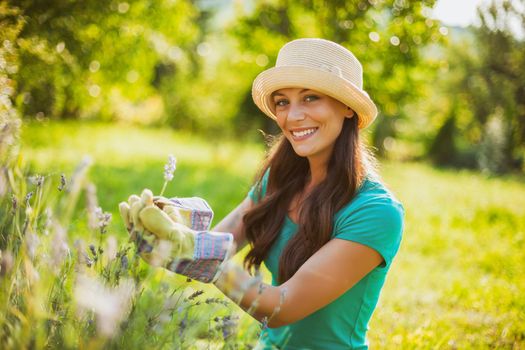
point(319, 65)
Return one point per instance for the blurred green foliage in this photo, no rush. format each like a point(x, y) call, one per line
point(480, 94)
point(84, 58)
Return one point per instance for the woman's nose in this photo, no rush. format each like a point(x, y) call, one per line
point(295, 112)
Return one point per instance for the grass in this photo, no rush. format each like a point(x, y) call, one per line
point(458, 279)
point(127, 159)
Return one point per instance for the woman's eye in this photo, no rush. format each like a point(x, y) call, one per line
point(280, 103)
point(311, 98)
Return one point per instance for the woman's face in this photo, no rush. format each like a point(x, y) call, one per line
point(310, 120)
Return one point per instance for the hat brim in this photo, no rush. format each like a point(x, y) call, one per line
point(320, 80)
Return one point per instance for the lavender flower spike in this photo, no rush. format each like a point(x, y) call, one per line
point(170, 167)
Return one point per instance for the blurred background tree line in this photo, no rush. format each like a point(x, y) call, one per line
point(454, 96)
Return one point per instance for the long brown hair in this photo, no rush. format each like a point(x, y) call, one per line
point(288, 176)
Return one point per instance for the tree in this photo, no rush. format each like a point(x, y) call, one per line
point(10, 27)
point(80, 57)
point(485, 87)
point(502, 79)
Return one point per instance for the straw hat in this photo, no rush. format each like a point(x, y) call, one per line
point(319, 65)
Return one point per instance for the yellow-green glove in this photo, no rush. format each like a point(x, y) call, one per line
point(144, 239)
point(193, 251)
point(158, 222)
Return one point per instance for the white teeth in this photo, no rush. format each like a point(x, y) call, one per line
point(303, 133)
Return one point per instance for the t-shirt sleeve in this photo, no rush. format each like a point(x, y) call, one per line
point(258, 190)
point(377, 224)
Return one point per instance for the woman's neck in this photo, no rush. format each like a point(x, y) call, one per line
point(317, 175)
point(318, 169)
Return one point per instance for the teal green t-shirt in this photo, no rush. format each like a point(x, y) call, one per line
point(374, 217)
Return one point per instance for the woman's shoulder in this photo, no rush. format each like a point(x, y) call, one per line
point(374, 217)
point(373, 198)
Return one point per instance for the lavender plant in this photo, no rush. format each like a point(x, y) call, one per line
point(70, 285)
point(68, 282)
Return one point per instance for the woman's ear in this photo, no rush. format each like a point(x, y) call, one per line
point(349, 113)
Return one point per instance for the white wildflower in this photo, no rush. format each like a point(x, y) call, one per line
point(59, 249)
point(170, 167)
point(3, 182)
point(6, 262)
point(83, 258)
point(32, 242)
point(112, 248)
point(48, 214)
point(110, 305)
point(164, 251)
point(103, 219)
point(92, 206)
point(77, 179)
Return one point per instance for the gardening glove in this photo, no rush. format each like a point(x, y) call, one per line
point(143, 239)
point(193, 212)
point(196, 252)
point(183, 225)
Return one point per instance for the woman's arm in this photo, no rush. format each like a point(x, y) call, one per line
point(325, 276)
point(233, 223)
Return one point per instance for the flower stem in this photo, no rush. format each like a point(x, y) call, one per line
point(163, 188)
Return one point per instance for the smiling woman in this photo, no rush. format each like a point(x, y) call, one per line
point(318, 215)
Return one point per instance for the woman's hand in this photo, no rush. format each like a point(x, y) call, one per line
point(174, 233)
point(180, 237)
point(146, 242)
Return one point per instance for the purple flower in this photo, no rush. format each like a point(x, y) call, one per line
point(170, 167)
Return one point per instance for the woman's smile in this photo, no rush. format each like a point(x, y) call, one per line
point(300, 134)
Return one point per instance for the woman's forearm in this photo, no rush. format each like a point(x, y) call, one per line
point(233, 224)
point(261, 300)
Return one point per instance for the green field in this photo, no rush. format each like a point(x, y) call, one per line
point(457, 282)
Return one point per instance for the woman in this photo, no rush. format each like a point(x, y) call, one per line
point(318, 216)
